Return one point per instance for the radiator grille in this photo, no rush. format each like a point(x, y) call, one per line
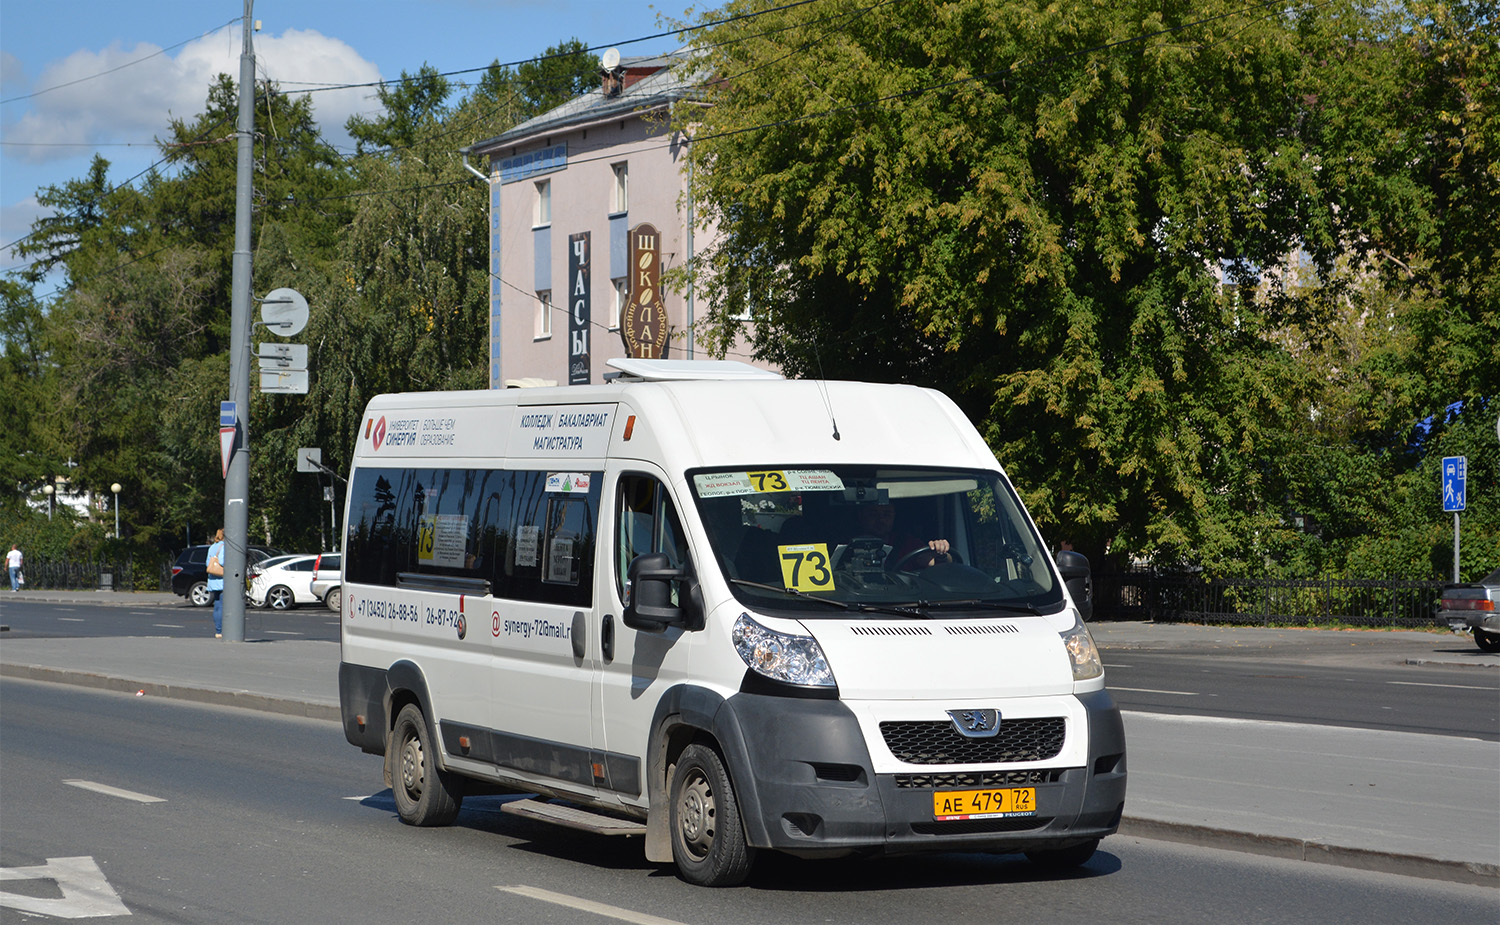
point(937, 742)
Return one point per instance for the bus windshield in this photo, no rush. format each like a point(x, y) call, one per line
point(876, 540)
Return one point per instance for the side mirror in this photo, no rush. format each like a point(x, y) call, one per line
point(650, 607)
point(1074, 567)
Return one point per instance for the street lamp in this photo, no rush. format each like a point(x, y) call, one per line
point(48, 490)
point(116, 489)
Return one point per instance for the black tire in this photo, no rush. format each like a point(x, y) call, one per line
point(425, 796)
point(198, 594)
point(333, 599)
point(1064, 858)
point(281, 598)
point(708, 839)
point(1489, 642)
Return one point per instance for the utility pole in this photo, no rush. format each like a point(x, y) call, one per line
point(237, 479)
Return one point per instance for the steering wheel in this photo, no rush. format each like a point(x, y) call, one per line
point(904, 563)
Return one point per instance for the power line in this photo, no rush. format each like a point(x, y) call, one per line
point(121, 67)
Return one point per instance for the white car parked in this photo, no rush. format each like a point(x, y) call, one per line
point(282, 584)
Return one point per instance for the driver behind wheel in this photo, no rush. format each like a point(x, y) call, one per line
point(879, 521)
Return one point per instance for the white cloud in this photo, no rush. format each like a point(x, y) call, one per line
point(12, 76)
point(93, 103)
point(15, 223)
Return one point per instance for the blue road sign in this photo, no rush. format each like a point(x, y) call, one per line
point(1454, 478)
point(226, 414)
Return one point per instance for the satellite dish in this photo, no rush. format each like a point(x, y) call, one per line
point(611, 59)
point(284, 311)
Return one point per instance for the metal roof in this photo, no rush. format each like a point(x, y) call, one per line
point(668, 83)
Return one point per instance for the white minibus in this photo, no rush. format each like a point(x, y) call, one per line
point(725, 612)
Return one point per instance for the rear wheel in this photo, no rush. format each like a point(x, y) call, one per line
point(198, 594)
point(281, 598)
point(1064, 858)
point(1489, 642)
point(333, 599)
point(708, 840)
point(424, 794)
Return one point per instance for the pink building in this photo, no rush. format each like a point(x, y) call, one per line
point(566, 190)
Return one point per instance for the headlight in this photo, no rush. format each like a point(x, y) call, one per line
point(1082, 653)
point(786, 657)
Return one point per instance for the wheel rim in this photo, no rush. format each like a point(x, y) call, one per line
point(696, 813)
point(413, 766)
point(199, 595)
point(280, 598)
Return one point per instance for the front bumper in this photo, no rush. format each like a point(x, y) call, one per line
point(808, 787)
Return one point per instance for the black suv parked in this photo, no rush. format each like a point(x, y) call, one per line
point(190, 571)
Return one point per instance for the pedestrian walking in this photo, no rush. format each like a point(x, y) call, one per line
point(13, 560)
point(216, 581)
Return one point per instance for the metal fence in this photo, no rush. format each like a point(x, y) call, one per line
point(1189, 598)
point(127, 574)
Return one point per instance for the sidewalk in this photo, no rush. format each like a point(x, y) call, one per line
point(1404, 803)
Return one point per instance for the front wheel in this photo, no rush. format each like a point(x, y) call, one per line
point(425, 795)
point(1064, 858)
point(708, 840)
point(1489, 642)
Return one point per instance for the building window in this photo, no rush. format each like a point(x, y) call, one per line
point(619, 200)
point(544, 314)
point(543, 212)
point(617, 304)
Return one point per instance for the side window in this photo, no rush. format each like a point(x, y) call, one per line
point(647, 522)
point(531, 534)
point(553, 537)
point(378, 532)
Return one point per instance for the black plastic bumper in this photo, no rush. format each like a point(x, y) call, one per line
point(807, 786)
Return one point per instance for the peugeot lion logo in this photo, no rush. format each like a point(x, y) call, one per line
point(976, 724)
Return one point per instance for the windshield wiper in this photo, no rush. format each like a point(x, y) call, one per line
point(789, 591)
point(913, 609)
point(984, 604)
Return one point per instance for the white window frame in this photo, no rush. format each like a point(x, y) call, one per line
point(619, 195)
point(541, 213)
point(543, 315)
point(621, 287)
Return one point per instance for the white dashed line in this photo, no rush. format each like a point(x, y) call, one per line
point(587, 905)
point(107, 790)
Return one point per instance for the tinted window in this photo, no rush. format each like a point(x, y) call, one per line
point(529, 533)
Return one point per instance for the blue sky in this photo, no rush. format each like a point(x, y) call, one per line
point(86, 77)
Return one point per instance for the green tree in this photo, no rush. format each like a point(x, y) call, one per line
point(1093, 225)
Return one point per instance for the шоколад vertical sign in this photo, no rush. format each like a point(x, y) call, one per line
point(643, 324)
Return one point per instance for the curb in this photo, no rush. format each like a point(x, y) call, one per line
point(223, 698)
point(1295, 849)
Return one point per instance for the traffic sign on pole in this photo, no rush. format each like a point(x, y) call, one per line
point(1455, 475)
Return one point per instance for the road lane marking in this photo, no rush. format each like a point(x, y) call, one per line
point(284, 633)
point(71, 620)
point(168, 626)
point(587, 905)
point(107, 790)
point(85, 891)
point(1147, 690)
point(1461, 687)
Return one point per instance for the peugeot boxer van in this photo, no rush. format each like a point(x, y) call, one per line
point(725, 612)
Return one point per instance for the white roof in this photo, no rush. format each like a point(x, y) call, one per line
point(680, 370)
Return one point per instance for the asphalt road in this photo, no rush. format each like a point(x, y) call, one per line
point(225, 815)
point(1389, 695)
